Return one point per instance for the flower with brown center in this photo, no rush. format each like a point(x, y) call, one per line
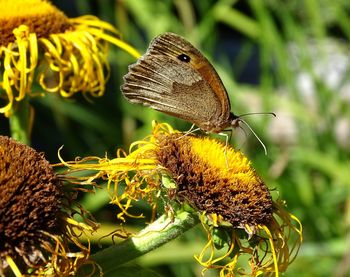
point(235, 206)
point(35, 227)
point(64, 55)
point(200, 169)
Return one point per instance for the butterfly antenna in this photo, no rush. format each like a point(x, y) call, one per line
point(266, 113)
point(251, 129)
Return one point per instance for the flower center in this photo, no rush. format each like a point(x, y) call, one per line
point(232, 190)
point(41, 17)
point(30, 199)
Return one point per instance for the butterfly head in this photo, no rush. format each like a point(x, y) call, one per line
point(234, 120)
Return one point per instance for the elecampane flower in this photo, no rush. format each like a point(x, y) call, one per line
point(235, 206)
point(64, 55)
point(36, 227)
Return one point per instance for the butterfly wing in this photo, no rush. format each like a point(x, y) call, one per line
point(175, 78)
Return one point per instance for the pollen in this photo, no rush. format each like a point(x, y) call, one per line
point(41, 17)
point(216, 179)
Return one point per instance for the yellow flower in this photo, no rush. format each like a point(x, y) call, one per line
point(235, 206)
point(36, 229)
point(214, 181)
point(65, 55)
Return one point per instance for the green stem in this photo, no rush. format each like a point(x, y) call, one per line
point(153, 236)
point(20, 122)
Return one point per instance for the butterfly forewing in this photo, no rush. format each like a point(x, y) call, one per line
point(187, 90)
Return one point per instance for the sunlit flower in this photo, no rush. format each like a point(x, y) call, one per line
point(36, 227)
point(64, 55)
point(234, 204)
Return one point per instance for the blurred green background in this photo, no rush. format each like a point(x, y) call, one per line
point(289, 57)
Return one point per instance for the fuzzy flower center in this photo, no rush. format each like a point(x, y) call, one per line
point(41, 17)
point(30, 200)
point(215, 180)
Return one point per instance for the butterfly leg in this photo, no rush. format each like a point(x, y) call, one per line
point(190, 131)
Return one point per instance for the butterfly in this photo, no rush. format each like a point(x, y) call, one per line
point(175, 78)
